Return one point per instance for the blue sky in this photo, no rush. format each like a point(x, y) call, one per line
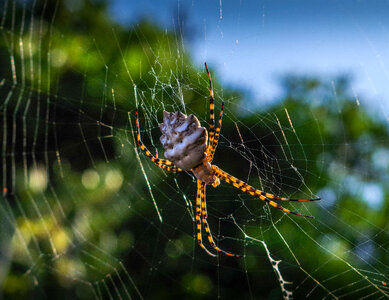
point(252, 43)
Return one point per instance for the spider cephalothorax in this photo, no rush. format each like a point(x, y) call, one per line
point(188, 148)
point(185, 144)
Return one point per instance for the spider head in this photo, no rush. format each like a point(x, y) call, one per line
point(216, 182)
point(206, 174)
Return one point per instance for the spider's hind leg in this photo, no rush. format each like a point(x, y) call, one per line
point(213, 133)
point(211, 130)
point(212, 146)
point(162, 163)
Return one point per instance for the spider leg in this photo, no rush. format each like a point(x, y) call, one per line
point(204, 215)
point(254, 192)
point(274, 197)
point(211, 130)
point(162, 163)
point(200, 187)
point(212, 147)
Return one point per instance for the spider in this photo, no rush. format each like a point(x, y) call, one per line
point(189, 148)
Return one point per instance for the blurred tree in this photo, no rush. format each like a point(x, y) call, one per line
point(78, 75)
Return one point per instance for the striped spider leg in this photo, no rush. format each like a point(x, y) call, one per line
point(243, 186)
point(213, 133)
point(162, 163)
point(199, 216)
point(201, 213)
point(188, 147)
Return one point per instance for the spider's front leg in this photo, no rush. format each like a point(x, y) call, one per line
point(162, 163)
point(258, 193)
point(201, 213)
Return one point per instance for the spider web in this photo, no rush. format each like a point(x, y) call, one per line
point(83, 212)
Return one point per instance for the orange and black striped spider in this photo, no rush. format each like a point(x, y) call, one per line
point(188, 148)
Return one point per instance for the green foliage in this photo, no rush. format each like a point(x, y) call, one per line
point(84, 209)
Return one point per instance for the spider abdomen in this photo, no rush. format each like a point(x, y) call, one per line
point(183, 139)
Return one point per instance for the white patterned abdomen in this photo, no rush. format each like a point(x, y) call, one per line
point(183, 139)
